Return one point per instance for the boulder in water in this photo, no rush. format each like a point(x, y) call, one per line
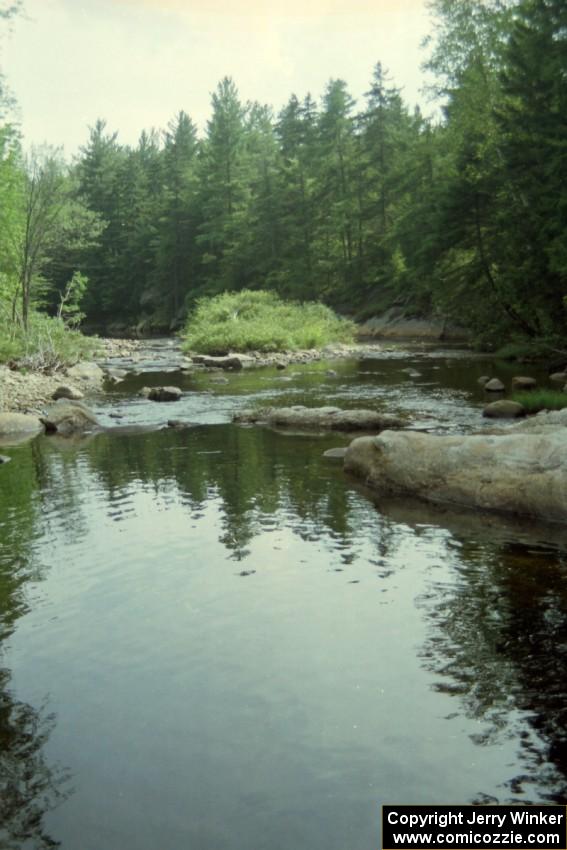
point(67, 417)
point(495, 385)
point(518, 472)
point(503, 409)
point(165, 394)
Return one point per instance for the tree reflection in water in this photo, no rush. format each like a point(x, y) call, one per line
point(498, 642)
point(29, 787)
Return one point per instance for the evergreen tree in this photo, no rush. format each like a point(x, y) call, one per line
point(222, 190)
point(177, 256)
point(336, 194)
point(297, 136)
point(533, 119)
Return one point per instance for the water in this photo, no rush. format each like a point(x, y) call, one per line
point(213, 639)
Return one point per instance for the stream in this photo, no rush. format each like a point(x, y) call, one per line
point(212, 639)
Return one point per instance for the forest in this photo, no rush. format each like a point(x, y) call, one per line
point(361, 206)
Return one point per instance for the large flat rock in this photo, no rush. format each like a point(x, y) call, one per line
point(517, 472)
point(19, 424)
point(319, 418)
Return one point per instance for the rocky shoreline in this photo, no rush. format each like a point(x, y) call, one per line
point(29, 392)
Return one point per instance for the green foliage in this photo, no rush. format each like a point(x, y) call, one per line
point(537, 400)
point(359, 206)
point(260, 321)
point(69, 309)
point(47, 344)
point(541, 349)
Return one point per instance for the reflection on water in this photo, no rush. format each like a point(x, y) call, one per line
point(241, 649)
point(29, 786)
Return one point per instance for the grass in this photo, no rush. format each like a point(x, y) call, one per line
point(261, 321)
point(536, 400)
point(46, 346)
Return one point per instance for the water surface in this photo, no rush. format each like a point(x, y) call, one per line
point(211, 638)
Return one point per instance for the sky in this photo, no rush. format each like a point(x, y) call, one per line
point(136, 63)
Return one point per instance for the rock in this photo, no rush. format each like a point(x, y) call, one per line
point(518, 473)
point(114, 379)
point(495, 385)
point(331, 373)
point(115, 415)
point(544, 422)
point(281, 365)
point(86, 372)
point(67, 392)
point(522, 382)
point(4, 459)
point(319, 418)
point(483, 380)
point(165, 394)
point(229, 361)
point(68, 418)
point(558, 377)
point(116, 373)
point(144, 392)
point(19, 423)
point(393, 324)
point(503, 409)
point(178, 424)
point(335, 453)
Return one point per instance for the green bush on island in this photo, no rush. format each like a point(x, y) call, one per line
point(46, 345)
point(536, 400)
point(261, 321)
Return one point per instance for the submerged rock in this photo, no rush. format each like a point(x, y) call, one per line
point(179, 424)
point(337, 454)
point(164, 394)
point(318, 418)
point(558, 377)
point(67, 417)
point(4, 459)
point(517, 473)
point(523, 382)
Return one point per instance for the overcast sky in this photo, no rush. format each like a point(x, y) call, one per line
point(136, 63)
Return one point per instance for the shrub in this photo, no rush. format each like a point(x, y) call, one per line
point(536, 400)
point(47, 345)
point(261, 321)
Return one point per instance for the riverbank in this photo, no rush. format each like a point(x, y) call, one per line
point(27, 391)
